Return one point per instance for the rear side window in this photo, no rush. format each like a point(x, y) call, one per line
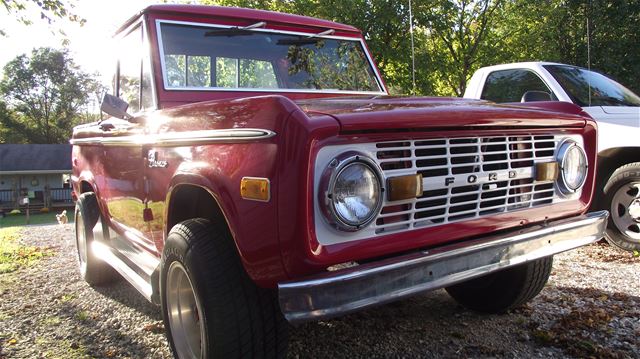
point(510, 85)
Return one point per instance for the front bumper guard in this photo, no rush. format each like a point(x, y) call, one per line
point(344, 291)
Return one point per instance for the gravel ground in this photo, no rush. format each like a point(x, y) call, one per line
point(590, 308)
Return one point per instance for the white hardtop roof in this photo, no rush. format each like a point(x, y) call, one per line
point(526, 64)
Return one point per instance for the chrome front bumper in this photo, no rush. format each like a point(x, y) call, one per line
point(344, 291)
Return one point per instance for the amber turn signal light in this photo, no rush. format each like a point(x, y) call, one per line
point(404, 187)
point(255, 189)
point(547, 171)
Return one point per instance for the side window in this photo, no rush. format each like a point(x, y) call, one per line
point(130, 68)
point(245, 73)
point(510, 85)
point(188, 71)
point(257, 74)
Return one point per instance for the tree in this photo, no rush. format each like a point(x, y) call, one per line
point(452, 33)
point(44, 95)
point(49, 9)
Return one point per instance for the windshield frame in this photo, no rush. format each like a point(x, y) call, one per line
point(360, 40)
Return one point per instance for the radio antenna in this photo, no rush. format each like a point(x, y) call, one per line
point(589, 50)
point(413, 52)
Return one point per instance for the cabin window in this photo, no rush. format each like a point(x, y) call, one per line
point(509, 85)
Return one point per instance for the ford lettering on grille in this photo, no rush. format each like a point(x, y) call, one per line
point(479, 178)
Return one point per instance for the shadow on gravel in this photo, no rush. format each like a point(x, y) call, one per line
point(561, 322)
point(593, 323)
point(427, 326)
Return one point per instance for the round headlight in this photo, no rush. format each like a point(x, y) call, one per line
point(573, 167)
point(354, 194)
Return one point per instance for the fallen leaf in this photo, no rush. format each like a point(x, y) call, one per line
point(156, 327)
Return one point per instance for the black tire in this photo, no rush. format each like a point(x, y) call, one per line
point(235, 318)
point(92, 269)
point(622, 200)
point(504, 290)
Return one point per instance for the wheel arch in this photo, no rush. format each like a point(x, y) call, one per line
point(84, 186)
point(189, 201)
point(608, 161)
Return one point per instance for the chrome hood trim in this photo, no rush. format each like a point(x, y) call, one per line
point(177, 139)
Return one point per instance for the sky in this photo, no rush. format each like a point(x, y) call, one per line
point(90, 44)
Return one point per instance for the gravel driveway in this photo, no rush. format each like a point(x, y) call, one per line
point(590, 308)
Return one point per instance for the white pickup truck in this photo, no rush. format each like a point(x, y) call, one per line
point(615, 108)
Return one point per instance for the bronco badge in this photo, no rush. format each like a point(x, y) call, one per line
point(152, 157)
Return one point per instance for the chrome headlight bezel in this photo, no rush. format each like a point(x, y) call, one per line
point(564, 149)
point(327, 187)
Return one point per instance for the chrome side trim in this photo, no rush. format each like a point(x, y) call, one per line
point(344, 291)
point(177, 139)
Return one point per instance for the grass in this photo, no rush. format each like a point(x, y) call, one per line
point(82, 316)
point(61, 349)
point(52, 321)
point(131, 210)
point(19, 220)
point(15, 255)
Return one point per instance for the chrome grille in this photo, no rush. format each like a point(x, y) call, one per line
point(459, 158)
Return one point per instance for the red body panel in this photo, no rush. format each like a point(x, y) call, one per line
point(276, 239)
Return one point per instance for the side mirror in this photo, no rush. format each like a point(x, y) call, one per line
point(114, 106)
point(534, 96)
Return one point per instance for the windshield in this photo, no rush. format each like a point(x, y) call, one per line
point(604, 91)
point(206, 58)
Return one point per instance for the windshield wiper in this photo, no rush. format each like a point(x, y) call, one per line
point(235, 31)
point(299, 41)
point(305, 40)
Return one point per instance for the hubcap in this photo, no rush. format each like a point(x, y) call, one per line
point(625, 210)
point(634, 210)
point(184, 311)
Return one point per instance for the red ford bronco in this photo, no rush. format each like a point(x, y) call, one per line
point(255, 171)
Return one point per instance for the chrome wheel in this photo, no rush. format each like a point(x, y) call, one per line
point(81, 241)
point(184, 311)
point(625, 210)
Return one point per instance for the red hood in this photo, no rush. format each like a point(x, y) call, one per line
point(386, 112)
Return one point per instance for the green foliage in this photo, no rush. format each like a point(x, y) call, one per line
point(44, 96)
point(49, 9)
point(454, 33)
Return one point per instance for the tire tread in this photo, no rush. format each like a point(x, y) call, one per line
point(249, 325)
